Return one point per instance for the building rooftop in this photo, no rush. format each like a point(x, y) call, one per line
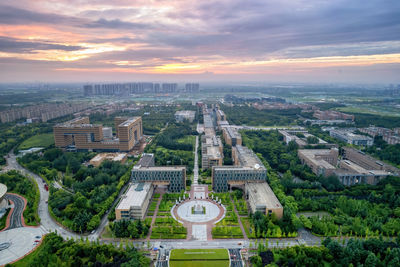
point(3, 190)
point(147, 160)
point(159, 168)
point(248, 158)
point(185, 113)
point(135, 196)
point(233, 133)
point(213, 152)
point(313, 155)
point(263, 195)
point(129, 121)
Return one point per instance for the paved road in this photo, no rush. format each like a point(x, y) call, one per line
point(15, 217)
point(47, 223)
point(235, 257)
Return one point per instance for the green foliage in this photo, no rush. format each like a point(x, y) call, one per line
point(174, 146)
point(227, 232)
point(91, 190)
point(40, 140)
point(363, 210)
point(54, 251)
point(12, 135)
point(369, 252)
point(132, 229)
point(244, 115)
point(384, 151)
point(21, 185)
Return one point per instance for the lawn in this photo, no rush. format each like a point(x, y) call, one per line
point(40, 140)
point(199, 257)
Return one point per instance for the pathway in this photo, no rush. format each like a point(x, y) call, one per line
point(196, 163)
point(153, 220)
point(240, 221)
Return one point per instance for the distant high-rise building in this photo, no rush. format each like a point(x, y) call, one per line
point(192, 87)
point(169, 87)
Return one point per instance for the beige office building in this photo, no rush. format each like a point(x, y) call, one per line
point(262, 198)
point(79, 134)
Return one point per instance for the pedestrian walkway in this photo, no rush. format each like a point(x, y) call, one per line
point(196, 163)
point(155, 213)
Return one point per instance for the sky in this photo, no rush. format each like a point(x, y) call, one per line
point(217, 40)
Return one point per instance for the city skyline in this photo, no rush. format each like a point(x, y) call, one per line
point(294, 41)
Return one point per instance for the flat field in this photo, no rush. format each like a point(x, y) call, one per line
point(40, 140)
point(199, 258)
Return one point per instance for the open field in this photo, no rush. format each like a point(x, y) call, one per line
point(40, 140)
point(199, 257)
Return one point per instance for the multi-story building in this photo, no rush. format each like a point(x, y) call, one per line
point(332, 115)
point(169, 87)
point(182, 115)
point(300, 138)
point(212, 151)
point(351, 138)
point(192, 87)
point(321, 161)
point(220, 115)
point(391, 137)
point(172, 176)
point(79, 134)
point(247, 168)
point(134, 203)
point(353, 169)
point(43, 112)
point(231, 136)
point(368, 162)
point(261, 198)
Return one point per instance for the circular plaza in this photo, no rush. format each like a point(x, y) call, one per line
point(199, 211)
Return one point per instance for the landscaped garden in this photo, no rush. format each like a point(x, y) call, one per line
point(165, 227)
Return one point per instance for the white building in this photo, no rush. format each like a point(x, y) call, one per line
point(134, 203)
point(351, 138)
point(182, 115)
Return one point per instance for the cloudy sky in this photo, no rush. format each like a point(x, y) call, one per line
point(221, 40)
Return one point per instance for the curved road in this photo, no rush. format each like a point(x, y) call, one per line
point(16, 214)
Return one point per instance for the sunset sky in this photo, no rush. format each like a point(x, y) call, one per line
point(261, 40)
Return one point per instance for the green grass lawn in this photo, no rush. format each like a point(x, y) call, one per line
point(40, 140)
point(199, 257)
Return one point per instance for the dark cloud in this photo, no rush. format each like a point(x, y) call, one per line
point(23, 46)
point(116, 24)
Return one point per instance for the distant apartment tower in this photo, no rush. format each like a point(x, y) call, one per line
point(169, 87)
point(192, 87)
point(79, 134)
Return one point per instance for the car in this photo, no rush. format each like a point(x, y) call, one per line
point(37, 241)
point(161, 246)
point(38, 236)
point(92, 232)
